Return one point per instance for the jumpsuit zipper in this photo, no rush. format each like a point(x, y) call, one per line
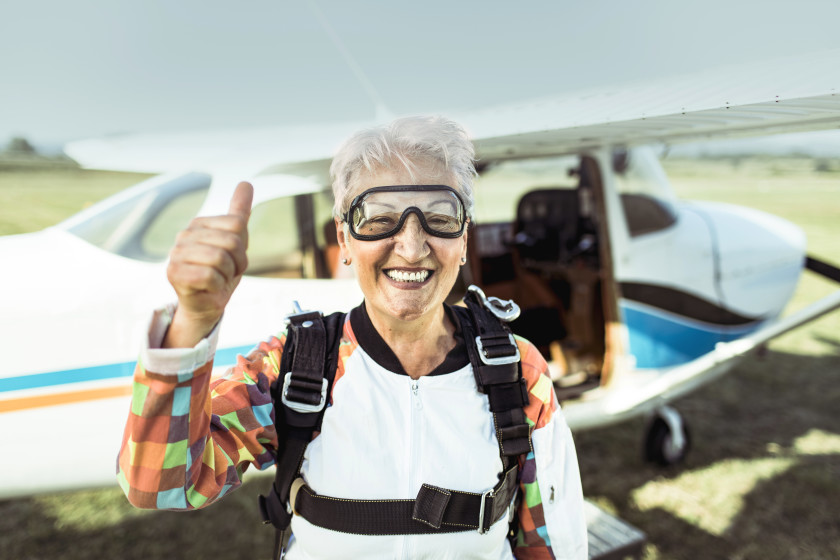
point(415, 429)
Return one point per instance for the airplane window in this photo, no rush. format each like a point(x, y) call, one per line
point(160, 235)
point(646, 195)
point(273, 243)
point(142, 221)
point(326, 238)
point(499, 188)
point(323, 205)
point(645, 214)
point(104, 230)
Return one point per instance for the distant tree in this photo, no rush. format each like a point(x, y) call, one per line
point(20, 145)
point(822, 165)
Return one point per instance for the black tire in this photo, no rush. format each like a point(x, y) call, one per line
point(658, 444)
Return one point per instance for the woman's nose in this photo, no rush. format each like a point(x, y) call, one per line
point(410, 241)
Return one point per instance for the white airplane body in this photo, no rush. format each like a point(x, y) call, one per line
point(636, 297)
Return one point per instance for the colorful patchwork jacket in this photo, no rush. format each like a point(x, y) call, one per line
point(188, 441)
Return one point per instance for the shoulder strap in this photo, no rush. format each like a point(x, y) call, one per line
point(300, 394)
point(497, 368)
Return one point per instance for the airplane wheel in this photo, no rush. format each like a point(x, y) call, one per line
point(661, 446)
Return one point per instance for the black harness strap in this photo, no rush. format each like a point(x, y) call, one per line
point(498, 372)
point(434, 510)
point(303, 391)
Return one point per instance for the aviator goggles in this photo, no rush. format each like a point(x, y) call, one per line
point(381, 212)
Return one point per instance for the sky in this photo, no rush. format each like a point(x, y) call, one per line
point(87, 68)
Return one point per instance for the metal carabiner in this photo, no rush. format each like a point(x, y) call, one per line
point(504, 309)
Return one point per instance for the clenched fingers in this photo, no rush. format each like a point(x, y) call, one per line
point(190, 279)
point(213, 247)
point(207, 255)
point(236, 225)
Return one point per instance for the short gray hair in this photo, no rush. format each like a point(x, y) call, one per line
point(406, 141)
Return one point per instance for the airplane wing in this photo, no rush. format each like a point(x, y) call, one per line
point(788, 95)
point(785, 95)
point(306, 149)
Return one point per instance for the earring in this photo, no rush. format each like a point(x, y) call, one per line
point(345, 262)
point(463, 260)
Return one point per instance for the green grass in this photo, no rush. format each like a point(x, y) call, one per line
point(34, 199)
point(762, 480)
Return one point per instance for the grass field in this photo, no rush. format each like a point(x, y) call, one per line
point(762, 480)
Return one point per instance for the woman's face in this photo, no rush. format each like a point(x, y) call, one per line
point(408, 275)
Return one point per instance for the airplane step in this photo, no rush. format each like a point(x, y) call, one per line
point(610, 538)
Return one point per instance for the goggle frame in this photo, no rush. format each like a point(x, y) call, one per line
point(357, 201)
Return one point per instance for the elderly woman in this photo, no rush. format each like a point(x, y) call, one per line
point(408, 420)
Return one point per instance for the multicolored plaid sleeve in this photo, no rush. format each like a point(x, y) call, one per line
point(188, 440)
point(532, 537)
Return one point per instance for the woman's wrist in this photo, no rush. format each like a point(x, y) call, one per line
point(188, 329)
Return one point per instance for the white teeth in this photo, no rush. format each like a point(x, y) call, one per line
point(401, 276)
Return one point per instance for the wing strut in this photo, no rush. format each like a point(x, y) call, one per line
point(822, 268)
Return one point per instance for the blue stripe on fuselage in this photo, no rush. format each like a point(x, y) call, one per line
point(96, 373)
point(660, 339)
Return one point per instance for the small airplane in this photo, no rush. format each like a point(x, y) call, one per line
point(635, 296)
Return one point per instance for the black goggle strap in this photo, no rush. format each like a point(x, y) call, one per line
point(404, 188)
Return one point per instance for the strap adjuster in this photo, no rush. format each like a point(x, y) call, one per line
point(303, 407)
point(481, 528)
point(499, 360)
point(293, 493)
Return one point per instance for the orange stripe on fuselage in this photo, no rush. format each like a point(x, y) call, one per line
point(39, 401)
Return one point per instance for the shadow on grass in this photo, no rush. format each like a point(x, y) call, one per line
point(833, 343)
point(230, 529)
point(793, 515)
point(759, 410)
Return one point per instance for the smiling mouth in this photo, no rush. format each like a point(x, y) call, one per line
point(404, 276)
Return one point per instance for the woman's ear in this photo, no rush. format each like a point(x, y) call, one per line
point(339, 232)
point(341, 236)
point(464, 248)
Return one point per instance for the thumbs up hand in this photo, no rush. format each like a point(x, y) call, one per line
point(205, 267)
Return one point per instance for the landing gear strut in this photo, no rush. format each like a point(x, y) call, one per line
point(667, 441)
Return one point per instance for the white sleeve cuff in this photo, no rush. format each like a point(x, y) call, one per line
point(174, 361)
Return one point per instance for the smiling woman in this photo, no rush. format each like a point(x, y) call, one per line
point(447, 429)
point(392, 250)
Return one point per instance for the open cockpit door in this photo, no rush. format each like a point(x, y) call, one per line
point(541, 238)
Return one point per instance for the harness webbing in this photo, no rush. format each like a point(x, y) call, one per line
point(299, 398)
point(498, 373)
point(434, 510)
point(309, 380)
